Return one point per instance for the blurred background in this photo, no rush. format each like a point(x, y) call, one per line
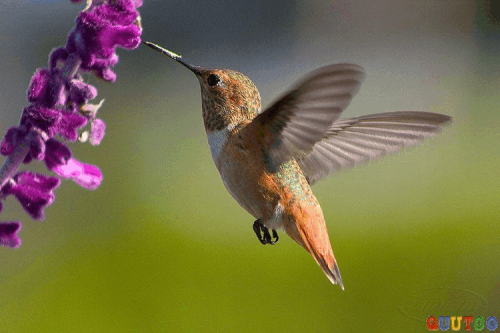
point(161, 245)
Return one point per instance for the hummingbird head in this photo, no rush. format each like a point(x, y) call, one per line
point(228, 97)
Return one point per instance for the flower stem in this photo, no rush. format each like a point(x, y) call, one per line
point(13, 162)
point(72, 65)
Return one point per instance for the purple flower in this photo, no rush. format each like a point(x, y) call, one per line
point(100, 30)
point(34, 192)
point(59, 106)
point(97, 132)
point(85, 175)
point(8, 234)
point(34, 139)
point(38, 85)
point(36, 143)
point(69, 124)
point(42, 118)
point(56, 154)
point(81, 92)
point(12, 139)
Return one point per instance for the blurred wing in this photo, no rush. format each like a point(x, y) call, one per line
point(301, 117)
point(349, 142)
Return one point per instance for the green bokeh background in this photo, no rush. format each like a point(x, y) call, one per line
point(161, 246)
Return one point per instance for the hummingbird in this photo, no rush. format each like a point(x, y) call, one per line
point(269, 159)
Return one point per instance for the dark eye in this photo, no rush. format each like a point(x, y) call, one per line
point(212, 80)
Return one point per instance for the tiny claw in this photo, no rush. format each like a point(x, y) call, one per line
point(267, 235)
point(257, 227)
point(276, 237)
point(263, 234)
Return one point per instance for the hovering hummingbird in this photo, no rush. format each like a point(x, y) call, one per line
point(269, 159)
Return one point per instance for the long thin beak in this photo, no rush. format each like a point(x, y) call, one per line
point(170, 54)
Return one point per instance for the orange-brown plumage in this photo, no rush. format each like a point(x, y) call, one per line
point(260, 192)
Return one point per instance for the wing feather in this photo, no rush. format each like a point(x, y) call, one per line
point(349, 142)
point(301, 117)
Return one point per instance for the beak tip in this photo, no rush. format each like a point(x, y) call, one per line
point(175, 56)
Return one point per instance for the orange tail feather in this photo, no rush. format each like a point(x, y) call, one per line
point(312, 235)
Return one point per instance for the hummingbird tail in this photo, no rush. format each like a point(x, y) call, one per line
point(313, 236)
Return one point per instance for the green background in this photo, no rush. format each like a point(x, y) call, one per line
point(161, 245)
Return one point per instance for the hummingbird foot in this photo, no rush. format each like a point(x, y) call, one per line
point(263, 234)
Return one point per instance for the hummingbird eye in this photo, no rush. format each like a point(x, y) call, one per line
point(212, 80)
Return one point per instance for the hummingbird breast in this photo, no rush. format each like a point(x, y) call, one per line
point(241, 165)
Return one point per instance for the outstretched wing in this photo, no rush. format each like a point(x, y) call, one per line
point(349, 142)
point(301, 117)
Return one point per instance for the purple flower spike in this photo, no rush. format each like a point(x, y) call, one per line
point(8, 234)
point(85, 175)
point(97, 131)
point(34, 192)
point(59, 106)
